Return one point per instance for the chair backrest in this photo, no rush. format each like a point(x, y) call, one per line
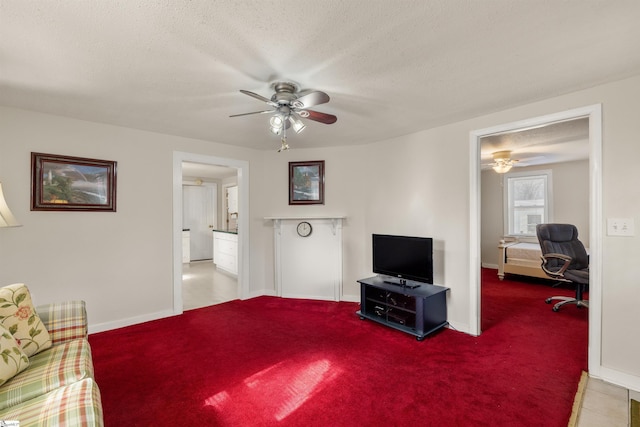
point(562, 239)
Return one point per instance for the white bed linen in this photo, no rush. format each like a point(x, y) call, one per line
point(524, 252)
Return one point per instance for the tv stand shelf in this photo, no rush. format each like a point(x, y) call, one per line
point(415, 308)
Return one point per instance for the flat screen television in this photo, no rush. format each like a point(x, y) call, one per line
point(403, 257)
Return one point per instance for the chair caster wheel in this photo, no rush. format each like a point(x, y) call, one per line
point(548, 300)
point(419, 338)
point(555, 309)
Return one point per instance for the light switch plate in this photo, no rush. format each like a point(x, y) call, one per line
point(620, 227)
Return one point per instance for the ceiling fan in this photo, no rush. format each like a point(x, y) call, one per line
point(503, 162)
point(288, 105)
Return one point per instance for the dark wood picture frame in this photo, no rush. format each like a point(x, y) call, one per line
point(306, 183)
point(64, 183)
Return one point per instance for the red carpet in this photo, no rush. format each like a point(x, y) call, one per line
point(281, 362)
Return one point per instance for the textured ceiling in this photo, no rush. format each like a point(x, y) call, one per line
point(206, 172)
point(563, 141)
point(391, 67)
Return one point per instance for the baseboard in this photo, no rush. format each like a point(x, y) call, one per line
point(272, 293)
point(107, 326)
point(618, 378)
point(487, 265)
point(350, 298)
point(460, 327)
point(311, 297)
point(262, 293)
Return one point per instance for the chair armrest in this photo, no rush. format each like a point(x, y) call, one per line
point(560, 273)
point(64, 321)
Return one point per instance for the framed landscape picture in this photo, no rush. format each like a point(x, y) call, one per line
point(63, 183)
point(306, 183)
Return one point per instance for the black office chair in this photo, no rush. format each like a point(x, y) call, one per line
point(565, 259)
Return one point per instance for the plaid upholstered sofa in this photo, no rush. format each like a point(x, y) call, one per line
point(57, 387)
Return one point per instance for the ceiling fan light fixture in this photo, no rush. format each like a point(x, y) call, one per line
point(276, 124)
point(298, 126)
point(276, 121)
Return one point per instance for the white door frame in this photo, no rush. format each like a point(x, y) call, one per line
point(243, 221)
point(594, 113)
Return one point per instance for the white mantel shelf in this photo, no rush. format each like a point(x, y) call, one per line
point(307, 217)
point(336, 221)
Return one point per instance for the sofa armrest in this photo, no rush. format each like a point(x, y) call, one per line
point(64, 321)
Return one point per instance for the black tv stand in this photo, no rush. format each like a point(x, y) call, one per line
point(417, 310)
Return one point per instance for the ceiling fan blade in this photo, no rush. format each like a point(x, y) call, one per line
point(318, 116)
point(260, 97)
point(310, 99)
point(255, 112)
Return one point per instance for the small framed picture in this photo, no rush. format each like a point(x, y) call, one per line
point(63, 183)
point(306, 183)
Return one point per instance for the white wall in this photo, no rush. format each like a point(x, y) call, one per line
point(120, 263)
point(431, 195)
point(346, 185)
point(413, 192)
point(416, 185)
point(620, 198)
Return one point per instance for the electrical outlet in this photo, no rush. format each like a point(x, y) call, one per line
point(620, 227)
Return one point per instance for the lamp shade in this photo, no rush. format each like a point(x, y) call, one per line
point(6, 217)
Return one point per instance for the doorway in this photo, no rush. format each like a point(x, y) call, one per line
point(240, 171)
point(594, 114)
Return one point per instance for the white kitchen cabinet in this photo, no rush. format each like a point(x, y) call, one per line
point(225, 251)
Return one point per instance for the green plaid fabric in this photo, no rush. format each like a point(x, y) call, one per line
point(64, 321)
point(48, 370)
point(77, 404)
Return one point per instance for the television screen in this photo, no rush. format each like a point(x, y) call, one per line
point(404, 257)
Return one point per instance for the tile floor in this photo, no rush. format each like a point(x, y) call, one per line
point(603, 404)
point(204, 285)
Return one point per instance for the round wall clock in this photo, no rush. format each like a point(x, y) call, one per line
point(304, 229)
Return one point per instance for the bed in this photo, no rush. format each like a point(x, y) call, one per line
point(521, 258)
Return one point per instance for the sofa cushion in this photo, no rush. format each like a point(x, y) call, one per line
point(53, 368)
point(19, 316)
point(65, 320)
point(76, 404)
point(12, 358)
